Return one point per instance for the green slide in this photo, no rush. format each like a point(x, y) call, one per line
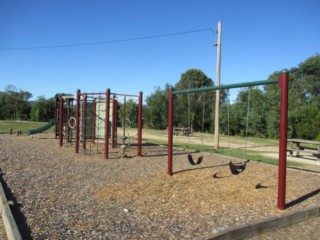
point(41, 129)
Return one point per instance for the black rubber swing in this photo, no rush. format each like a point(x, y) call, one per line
point(237, 168)
point(190, 158)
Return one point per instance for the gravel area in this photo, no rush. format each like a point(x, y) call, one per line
point(3, 234)
point(61, 195)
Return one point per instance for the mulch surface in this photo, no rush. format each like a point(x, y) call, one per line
point(63, 195)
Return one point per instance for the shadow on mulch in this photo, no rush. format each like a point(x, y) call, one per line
point(303, 198)
point(19, 217)
point(199, 168)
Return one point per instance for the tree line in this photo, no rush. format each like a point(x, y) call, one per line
point(255, 111)
point(16, 105)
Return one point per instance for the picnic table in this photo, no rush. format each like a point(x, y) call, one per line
point(301, 145)
point(186, 131)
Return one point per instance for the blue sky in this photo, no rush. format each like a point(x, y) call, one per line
point(258, 38)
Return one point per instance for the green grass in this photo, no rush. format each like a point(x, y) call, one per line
point(23, 126)
point(229, 152)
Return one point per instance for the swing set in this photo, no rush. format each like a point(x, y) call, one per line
point(282, 82)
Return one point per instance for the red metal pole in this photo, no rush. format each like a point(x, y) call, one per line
point(94, 117)
point(68, 118)
point(170, 131)
point(140, 124)
point(61, 120)
point(84, 122)
point(57, 119)
point(114, 122)
point(283, 80)
point(106, 130)
point(77, 121)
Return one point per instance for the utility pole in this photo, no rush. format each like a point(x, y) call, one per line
point(218, 68)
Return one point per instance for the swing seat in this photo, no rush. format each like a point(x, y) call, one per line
point(237, 168)
point(190, 158)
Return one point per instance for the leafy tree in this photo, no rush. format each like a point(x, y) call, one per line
point(131, 117)
point(156, 111)
point(304, 101)
point(43, 109)
point(15, 103)
point(189, 108)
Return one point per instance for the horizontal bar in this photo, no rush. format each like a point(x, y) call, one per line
point(124, 95)
point(229, 86)
point(93, 93)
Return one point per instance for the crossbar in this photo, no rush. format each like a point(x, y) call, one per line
point(229, 86)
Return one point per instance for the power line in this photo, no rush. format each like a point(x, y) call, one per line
point(109, 41)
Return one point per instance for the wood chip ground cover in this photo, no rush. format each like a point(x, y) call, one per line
point(61, 195)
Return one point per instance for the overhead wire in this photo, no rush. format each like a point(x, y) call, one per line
point(108, 41)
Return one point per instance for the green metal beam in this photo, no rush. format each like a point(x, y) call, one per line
point(229, 86)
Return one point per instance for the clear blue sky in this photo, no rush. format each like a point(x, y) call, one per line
point(258, 37)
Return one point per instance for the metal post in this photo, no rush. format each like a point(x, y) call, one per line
point(84, 122)
point(77, 122)
point(57, 119)
point(283, 80)
point(217, 107)
point(170, 131)
point(94, 117)
point(114, 122)
point(124, 122)
point(61, 120)
point(106, 130)
point(68, 119)
point(140, 124)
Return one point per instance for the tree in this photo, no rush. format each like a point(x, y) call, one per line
point(156, 111)
point(131, 117)
point(15, 104)
point(43, 109)
point(189, 107)
point(304, 101)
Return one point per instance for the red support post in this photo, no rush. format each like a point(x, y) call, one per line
point(283, 80)
point(107, 124)
point(68, 118)
point(140, 124)
point(61, 120)
point(84, 122)
point(77, 122)
point(114, 122)
point(170, 131)
point(94, 117)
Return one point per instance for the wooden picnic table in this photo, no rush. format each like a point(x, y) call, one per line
point(301, 145)
point(186, 131)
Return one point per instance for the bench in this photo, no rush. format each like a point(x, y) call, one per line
point(187, 131)
point(295, 145)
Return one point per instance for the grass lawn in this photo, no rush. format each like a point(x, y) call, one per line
point(240, 153)
point(23, 126)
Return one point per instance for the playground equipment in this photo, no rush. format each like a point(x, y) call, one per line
point(64, 112)
point(41, 129)
point(200, 158)
point(90, 123)
point(237, 168)
point(282, 81)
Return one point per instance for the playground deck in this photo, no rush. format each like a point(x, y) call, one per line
point(85, 196)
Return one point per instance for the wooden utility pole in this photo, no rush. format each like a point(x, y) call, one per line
point(218, 68)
